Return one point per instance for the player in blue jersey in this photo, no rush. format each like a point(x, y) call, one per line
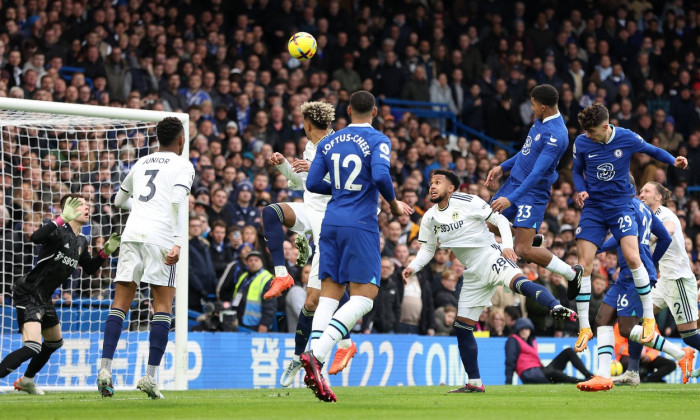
point(623, 304)
point(524, 196)
point(357, 159)
point(601, 168)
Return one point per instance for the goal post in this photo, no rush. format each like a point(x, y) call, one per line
point(37, 129)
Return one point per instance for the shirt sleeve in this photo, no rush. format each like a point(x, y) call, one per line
point(508, 165)
point(185, 178)
point(426, 234)
point(579, 169)
point(659, 154)
point(380, 162)
point(549, 154)
point(317, 171)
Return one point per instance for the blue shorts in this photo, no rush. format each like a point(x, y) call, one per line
point(597, 219)
point(350, 255)
point(527, 211)
point(624, 298)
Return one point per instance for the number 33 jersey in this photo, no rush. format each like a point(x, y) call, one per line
point(151, 183)
point(460, 225)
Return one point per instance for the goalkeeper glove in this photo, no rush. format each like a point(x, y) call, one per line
point(112, 244)
point(70, 210)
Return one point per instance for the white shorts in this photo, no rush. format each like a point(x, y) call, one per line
point(680, 296)
point(485, 270)
point(141, 262)
point(309, 222)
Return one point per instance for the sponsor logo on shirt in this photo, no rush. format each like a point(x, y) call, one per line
point(448, 228)
point(606, 171)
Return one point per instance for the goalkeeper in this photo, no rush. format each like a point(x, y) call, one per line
point(63, 248)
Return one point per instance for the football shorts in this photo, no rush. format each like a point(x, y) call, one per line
point(597, 219)
point(623, 296)
point(350, 255)
point(29, 309)
point(143, 262)
point(680, 296)
point(527, 211)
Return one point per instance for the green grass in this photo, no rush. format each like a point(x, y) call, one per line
point(543, 402)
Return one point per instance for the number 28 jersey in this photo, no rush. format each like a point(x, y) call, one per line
point(151, 183)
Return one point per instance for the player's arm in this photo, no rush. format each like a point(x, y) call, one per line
point(317, 171)
point(294, 180)
point(508, 164)
point(179, 208)
point(428, 241)
point(68, 214)
point(663, 239)
point(126, 189)
point(661, 155)
point(579, 180)
point(498, 171)
point(91, 264)
point(609, 245)
point(548, 156)
point(381, 176)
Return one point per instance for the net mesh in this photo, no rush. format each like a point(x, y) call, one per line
point(45, 156)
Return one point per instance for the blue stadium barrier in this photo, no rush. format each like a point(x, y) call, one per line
point(693, 189)
point(236, 360)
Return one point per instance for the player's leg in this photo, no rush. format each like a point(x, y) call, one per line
point(465, 323)
point(53, 340)
point(631, 375)
point(682, 298)
point(555, 369)
point(274, 216)
point(524, 247)
point(31, 336)
point(518, 283)
point(586, 253)
point(684, 356)
point(605, 319)
point(630, 250)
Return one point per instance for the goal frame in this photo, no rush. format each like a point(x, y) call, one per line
point(181, 281)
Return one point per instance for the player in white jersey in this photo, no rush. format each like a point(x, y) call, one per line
point(676, 288)
point(458, 222)
point(304, 219)
point(159, 184)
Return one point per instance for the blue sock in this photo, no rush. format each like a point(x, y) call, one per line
point(468, 350)
point(535, 291)
point(113, 329)
point(158, 338)
point(343, 301)
point(691, 338)
point(274, 234)
point(301, 338)
point(635, 351)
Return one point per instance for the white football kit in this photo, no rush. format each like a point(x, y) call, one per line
point(149, 235)
point(310, 213)
point(676, 288)
point(461, 227)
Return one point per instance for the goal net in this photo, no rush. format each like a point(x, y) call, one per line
point(49, 150)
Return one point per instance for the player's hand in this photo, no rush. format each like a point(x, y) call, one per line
point(276, 159)
point(301, 165)
point(406, 273)
point(173, 256)
point(112, 243)
point(500, 204)
point(580, 198)
point(399, 208)
point(508, 253)
point(681, 162)
point(493, 176)
point(70, 210)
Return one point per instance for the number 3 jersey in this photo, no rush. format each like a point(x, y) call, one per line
point(151, 183)
point(460, 225)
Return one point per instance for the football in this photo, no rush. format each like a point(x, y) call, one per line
point(302, 46)
point(616, 368)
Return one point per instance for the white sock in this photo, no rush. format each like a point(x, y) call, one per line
point(558, 266)
point(641, 282)
point(106, 364)
point(583, 301)
point(152, 371)
point(324, 312)
point(343, 320)
point(27, 380)
point(344, 343)
point(606, 348)
point(658, 343)
point(296, 358)
point(281, 271)
point(475, 382)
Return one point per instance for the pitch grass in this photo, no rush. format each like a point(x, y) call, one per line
point(542, 402)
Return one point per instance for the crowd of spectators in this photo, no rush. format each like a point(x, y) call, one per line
point(226, 64)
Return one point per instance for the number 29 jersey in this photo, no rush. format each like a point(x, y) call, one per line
point(151, 183)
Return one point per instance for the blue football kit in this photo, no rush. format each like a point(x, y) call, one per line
point(357, 158)
point(602, 170)
point(533, 170)
point(623, 294)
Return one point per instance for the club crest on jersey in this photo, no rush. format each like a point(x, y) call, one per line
point(526, 146)
point(455, 216)
point(606, 172)
point(618, 153)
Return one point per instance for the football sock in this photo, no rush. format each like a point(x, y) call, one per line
point(301, 337)
point(113, 329)
point(15, 359)
point(468, 350)
point(343, 320)
point(324, 312)
point(583, 301)
point(606, 347)
point(657, 343)
point(560, 267)
point(691, 338)
point(345, 342)
point(273, 217)
point(635, 351)
point(535, 291)
point(641, 282)
point(39, 361)
point(158, 338)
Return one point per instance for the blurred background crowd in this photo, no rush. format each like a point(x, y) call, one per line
point(226, 64)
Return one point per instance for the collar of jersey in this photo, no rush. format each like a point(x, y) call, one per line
point(612, 136)
point(551, 117)
point(360, 125)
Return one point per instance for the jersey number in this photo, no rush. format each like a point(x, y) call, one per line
point(152, 173)
point(524, 212)
point(646, 222)
point(625, 221)
point(622, 301)
point(501, 263)
point(357, 166)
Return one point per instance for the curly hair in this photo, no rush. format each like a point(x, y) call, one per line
point(593, 116)
point(167, 130)
point(321, 114)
